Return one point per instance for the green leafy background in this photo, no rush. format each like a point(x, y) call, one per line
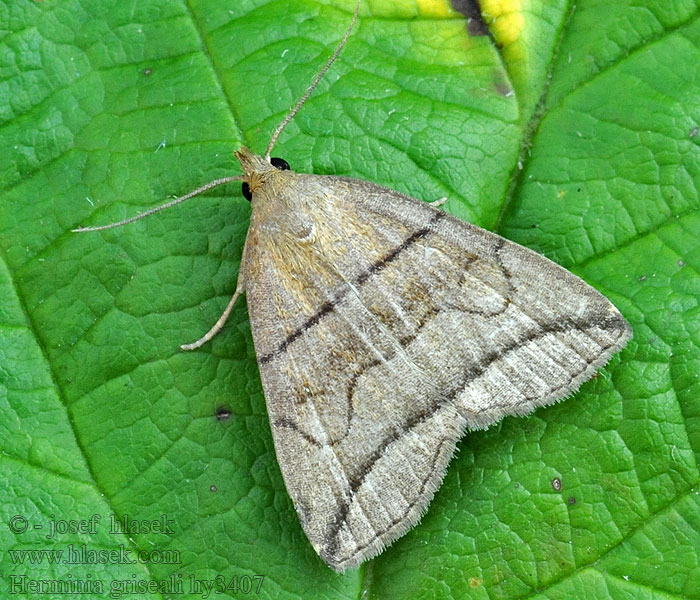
point(571, 129)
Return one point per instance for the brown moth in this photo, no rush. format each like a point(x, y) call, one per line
point(384, 329)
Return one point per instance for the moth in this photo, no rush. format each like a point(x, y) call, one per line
point(385, 329)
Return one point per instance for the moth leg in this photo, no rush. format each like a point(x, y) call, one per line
point(438, 202)
point(240, 286)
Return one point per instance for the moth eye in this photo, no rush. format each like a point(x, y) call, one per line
point(247, 194)
point(279, 163)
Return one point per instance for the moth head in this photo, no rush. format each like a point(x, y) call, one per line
point(257, 170)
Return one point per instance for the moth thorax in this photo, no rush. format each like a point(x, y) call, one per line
point(255, 180)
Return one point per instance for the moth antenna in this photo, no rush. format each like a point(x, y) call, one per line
point(199, 190)
point(313, 85)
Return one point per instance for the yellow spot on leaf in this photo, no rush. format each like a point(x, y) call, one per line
point(505, 18)
point(435, 8)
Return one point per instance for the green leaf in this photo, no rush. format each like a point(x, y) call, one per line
point(572, 130)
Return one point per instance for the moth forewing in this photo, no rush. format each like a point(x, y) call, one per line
point(396, 329)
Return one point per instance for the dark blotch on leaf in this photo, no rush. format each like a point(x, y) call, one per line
point(503, 88)
point(472, 10)
point(223, 413)
point(572, 500)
